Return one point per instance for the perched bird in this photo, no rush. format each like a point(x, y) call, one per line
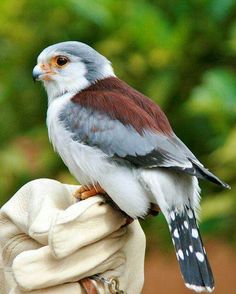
point(114, 139)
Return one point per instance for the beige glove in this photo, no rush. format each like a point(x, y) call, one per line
point(49, 242)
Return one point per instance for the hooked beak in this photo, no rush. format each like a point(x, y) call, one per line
point(41, 73)
point(37, 73)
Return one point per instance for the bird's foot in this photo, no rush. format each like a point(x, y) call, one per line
point(85, 192)
point(129, 220)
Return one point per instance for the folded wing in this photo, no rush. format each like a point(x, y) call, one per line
point(129, 128)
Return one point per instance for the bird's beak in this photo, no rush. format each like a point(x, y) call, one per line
point(37, 73)
point(42, 72)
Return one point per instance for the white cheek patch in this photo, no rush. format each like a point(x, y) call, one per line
point(70, 79)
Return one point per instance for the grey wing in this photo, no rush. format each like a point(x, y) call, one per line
point(118, 141)
point(127, 146)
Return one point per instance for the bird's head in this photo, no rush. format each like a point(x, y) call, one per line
point(69, 67)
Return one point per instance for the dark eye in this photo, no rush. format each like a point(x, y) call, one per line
point(61, 60)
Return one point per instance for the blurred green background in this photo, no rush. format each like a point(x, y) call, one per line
point(182, 54)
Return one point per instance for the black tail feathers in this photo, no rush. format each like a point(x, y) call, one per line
point(202, 172)
point(190, 252)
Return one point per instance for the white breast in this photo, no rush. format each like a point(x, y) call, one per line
point(84, 162)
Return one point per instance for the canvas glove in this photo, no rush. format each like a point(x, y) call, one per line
point(49, 242)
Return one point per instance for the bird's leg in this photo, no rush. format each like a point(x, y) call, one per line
point(154, 209)
point(129, 220)
point(85, 192)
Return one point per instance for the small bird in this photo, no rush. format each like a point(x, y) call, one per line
point(117, 141)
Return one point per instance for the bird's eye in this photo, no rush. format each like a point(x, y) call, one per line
point(61, 60)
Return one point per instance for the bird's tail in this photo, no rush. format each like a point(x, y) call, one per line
point(190, 252)
point(203, 173)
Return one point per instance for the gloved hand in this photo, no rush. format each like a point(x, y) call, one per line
point(49, 242)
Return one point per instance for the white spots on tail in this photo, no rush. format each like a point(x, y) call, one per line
point(195, 233)
point(186, 225)
point(190, 213)
point(191, 248)
point(200, 256)
point(172, 215)
point(187, 252)
point(176, 233)
point(181, 254)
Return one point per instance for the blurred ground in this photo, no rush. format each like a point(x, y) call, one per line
point(162, 274)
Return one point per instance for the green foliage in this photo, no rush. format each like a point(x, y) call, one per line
point(180, 53)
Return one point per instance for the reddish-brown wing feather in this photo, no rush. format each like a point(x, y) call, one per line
point(120, 101)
